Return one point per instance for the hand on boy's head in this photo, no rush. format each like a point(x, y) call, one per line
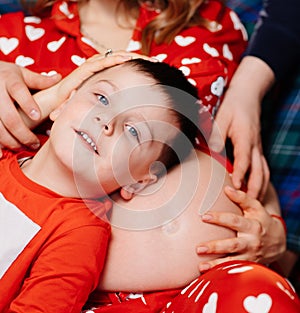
point(14, 84)
point(94, 64)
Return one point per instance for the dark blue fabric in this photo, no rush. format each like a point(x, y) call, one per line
point(9, 6)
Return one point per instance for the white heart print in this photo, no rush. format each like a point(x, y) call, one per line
point(51, 73)
point(7, 45)
point(133, 45)
point(260, 304)
point(210, 50)
point(227, 53)
point(185, 70)
point(192, 81)
point(32, 19)
point(34, 33)
point(23, 61)
point(211, 305)
point(184, 41)
point(65, 10)
point(53, 46)
point(217, 87)
point(238, 25)
point(77, 60)
point(161, 57)
point(88, 42)
point(193, 60)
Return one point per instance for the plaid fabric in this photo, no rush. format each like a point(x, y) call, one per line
point(282, 148)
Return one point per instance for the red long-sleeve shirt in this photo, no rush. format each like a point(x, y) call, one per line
point(52, 248)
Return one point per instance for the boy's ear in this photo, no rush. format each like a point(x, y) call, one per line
point(55, 113)
point(127, 192)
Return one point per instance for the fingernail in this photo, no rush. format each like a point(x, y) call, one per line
point(202, 249)
point(35, 146)
point(204, 267)
point(34, 114)
point(152, 59)
point(206, 217)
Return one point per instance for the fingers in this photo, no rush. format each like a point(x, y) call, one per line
point(238, 248)
point(18, 90)
point(259, 176)
point(94, 64)
point(247, 203)
point(219, 132)
point(241, 163)
point(20, 93)
point(38, 81)
point(233, 245)
point(205, 266)
point(233, 222)
point(13, 131)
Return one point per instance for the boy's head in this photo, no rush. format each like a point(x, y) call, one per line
point(121, 121)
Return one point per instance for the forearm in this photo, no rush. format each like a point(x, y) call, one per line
point(252, 78)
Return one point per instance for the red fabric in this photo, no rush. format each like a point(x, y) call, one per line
point(235, 286)
point(208, 58)
point(60, 265)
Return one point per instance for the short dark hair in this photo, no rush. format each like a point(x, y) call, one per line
point(183, 97)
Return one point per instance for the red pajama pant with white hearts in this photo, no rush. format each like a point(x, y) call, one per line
point(232, 287)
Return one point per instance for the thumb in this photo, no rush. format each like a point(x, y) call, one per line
point(38, 81)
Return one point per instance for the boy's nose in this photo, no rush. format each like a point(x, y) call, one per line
point(108, 128)
point(105, 124)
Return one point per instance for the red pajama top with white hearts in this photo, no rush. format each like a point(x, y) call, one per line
point(208, 58)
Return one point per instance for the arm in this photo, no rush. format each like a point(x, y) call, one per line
point(239, 119)
point(66, 270)
point(280, 18)
point(239, 115)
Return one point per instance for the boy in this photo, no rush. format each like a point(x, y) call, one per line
point(106, 136)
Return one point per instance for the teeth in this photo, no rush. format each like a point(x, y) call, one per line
point(88, 140)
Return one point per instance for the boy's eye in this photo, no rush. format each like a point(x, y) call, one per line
point(103, 100)
point(132, 131)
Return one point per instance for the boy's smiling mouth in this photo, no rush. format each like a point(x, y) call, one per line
point(87, 139)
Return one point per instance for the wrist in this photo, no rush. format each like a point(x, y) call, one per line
point(279, 218)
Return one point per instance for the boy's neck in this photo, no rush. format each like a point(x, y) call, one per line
point(46, 170)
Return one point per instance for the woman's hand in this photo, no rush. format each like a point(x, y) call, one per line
point(260, 237)
point(14, 84)
point(239, 119)
point(49, 99)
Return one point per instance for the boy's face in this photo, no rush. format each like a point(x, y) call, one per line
point(112, 129)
